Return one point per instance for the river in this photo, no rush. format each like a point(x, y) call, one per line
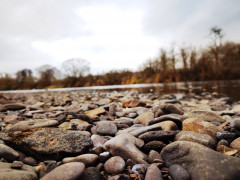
point(230, 88)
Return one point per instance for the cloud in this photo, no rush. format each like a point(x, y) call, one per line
point(110, 34)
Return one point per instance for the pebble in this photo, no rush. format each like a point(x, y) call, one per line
point(17, 165)
point(228, 136)
point(114, 165)
point(153, 173)
point(30, 161)
point(67, 171)
point(127, 135)
point(97, 140)
point(86, 159)
point(235, 144)
point(91, 173)
point(8, 153)
point(106, 128)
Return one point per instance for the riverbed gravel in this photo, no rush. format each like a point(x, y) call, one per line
point(117, 135)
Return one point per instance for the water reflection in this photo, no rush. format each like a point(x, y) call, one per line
point(229, 88)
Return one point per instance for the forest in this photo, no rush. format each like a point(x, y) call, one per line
point(217, 61)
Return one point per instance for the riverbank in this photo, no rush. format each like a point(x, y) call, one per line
point(119, 135)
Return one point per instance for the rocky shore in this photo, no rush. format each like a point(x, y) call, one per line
point(119, 135)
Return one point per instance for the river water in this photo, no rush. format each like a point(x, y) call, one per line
point(230, 88)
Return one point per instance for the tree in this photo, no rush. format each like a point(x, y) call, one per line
point(76, 67)
point(47, 75)
point(217, 36)
point(23, 74)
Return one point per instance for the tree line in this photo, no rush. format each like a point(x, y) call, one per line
point(218, 61)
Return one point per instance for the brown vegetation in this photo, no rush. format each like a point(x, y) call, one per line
point(219, 61)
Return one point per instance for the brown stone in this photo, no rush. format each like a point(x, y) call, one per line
point(226, 150)
point(95, 112)
point(200, 126)
point(236, 144)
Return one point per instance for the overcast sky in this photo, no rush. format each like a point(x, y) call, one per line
point(110, 34)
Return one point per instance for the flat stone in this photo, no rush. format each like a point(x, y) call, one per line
point(153, 173)
point(48, 143)
point(26, 172)
point(136, 131)
point(11, 119)
point(32, 124)
point(177, 172)
point(106, 128)
point(86, 159)
point(14, 106)
point(115, 165)
point(208, 116)
point(201, 161)
point(235, 144)
point(200, 126)
point(144, 118)
point(95, 112)
point(8, 153)
point(67, 171)
point(176, 118)
point(203, 139)
point(133, 103)
point(161, 135)
point(126, 146)
point(167, 125)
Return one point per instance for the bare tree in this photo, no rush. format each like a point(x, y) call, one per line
point(47, 74)
point(76, 67)
point(22, 75)
point(217, 36)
